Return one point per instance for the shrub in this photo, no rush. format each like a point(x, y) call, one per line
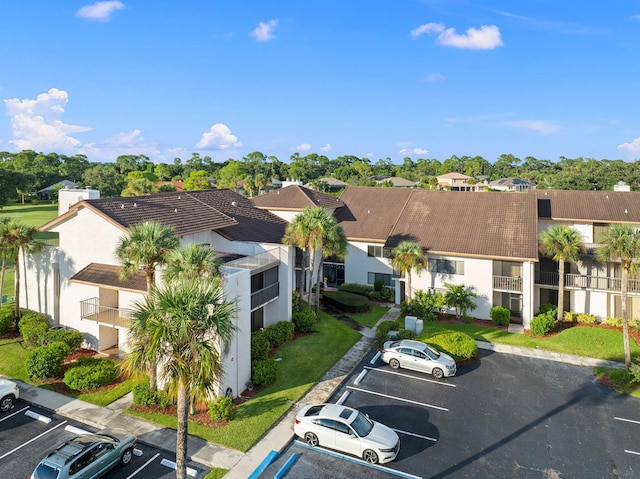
point(617, 322)
point(406, 334)
point(348, 302)
point(265, 372)
point(426, 305)
point(259, 346)
point(570, 317)
point(144, 396)
point(546, 307)
point(356, 288)
point(222, 409)
point(304, 321)
point(6, 321)
point(91, 373)
point(459, 346)
point(33, 328)
point(543, 323)
point(73, 339)
point(586, 318)
point(384, 294)
point(634, 370)
point(279, 333)
point(45, 361)
point(500, 316)
point(377, 285)
point(382, 331)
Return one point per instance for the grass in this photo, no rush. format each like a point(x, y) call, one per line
point(216, 473)
point(370, 318)
point(317, 351)
point(620, 379)
point(105, 397)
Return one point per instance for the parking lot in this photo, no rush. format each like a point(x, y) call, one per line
point(502, 416)
point(29, 433)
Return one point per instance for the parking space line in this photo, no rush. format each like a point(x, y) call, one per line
point(359, 461)
point(14, 413)
point(626, 420)
point(410, 376)
point(632, 452)
point(143, 466)
point(415, 435)
point(33, 439)
point(398, 399)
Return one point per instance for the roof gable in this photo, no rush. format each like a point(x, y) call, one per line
point(295, 197)
point(589, 206)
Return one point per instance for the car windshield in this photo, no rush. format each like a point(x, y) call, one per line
point(45, 471)
point(362, 425)
point(434, 353)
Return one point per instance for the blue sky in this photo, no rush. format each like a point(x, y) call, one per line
point(371, 78)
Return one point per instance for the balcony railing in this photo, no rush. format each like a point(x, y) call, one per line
point(263, 296)
point(92, 310)
point(582, 281)
point(262, 260)
point(507, 283)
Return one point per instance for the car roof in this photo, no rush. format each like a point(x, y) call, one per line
point(331, 411)
point(70, 449)
point(410, 343)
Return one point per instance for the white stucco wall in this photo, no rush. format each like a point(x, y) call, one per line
point(358, 264)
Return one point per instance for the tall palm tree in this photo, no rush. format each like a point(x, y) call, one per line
point(192, 261)
point(406, 257)
point(146, 246)
point(19, 238)
point(564, 245)
point(5, 250)
point(333, 244)
point(622, 242)
point(187, 323)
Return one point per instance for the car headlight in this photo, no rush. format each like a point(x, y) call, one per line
point(452, 366)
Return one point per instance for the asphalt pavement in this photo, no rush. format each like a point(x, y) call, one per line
point(242, 465)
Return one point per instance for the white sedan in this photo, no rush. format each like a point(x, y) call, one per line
point(8, 394)
point(347, 430)
point(418, 356)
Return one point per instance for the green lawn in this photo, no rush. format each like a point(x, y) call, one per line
point(370, 318)
point(303, 363)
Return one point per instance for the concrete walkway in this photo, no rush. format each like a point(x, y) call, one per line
point(242, 465)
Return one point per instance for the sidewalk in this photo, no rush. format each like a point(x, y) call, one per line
point(242, 465)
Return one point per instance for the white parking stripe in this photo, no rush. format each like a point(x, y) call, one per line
point(415, 435)
point(143, 466)
point(410, 376)
point(398, 399)
point(626, 420)
point(14, 413)
point(632, 452)
point(33, 439)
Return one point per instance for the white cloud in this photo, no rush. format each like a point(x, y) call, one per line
point(99, 11)
point(635, 17)
point(487, 37)
point(36, 124)
point(433, 77)
point(264, 31)
point(303, 147)
point(124, 143)
point(632, 147)
point(413, 151)
point(543, 127)
point(218, 137)
point(326, 147)
point(369, 155)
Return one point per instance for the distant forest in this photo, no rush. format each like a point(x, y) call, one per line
point(28, 171)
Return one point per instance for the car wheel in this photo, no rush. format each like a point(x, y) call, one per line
point(126, 457)
point(437, 373)
point(311, 439)
point(394, 363)
point(6, 403)
point(370, 456)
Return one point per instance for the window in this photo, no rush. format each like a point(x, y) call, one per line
point(445, 266)
point(257, 320)
point(387, 279)
point(378, 251)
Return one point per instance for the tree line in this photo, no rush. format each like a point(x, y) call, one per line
point(29, 171)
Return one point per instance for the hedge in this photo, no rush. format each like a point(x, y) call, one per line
point(343, 301)
point(71, 338)
point(265, 372)
point(45, 361)
point(304, 321)
point(33, 328)
point(460, 346)
point(279, 333)
point(356, 288)
point(543, 323)
point(91, 373)
point(259, 346)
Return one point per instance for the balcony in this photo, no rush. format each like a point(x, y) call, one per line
point(91, 310)
point(592, 283)
point(507, 283)
point(260, 261)
point(264, 296)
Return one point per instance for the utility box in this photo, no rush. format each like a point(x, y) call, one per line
point(410, 323)
point(419, 325)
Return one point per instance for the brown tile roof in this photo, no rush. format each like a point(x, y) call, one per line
point(224, 211)
point(106, 275)
point(589, 206)
point(496, 225)
point(295, 197)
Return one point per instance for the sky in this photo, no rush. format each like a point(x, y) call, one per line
point(371, 78)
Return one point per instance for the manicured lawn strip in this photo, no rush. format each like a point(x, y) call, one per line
point(107, 396)
point(620, 378)
point(303, 363)
point(371, 318)
point(13, 355)
point(216, 473)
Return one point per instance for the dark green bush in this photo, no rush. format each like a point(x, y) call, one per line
point(45, 361)
point(500, 316)
point(265, 372)
point(6, 321)
point(259, 346)
point(347, 302)
point(377, 285)
point(144, 396)
point(384, 294)
point(543, 323)
point(546, 307)
point(304, 321)
point(459, 346)
point(73, 339)
point(406, 334)
point(634, 370)
point(33, 328)
point(382, 331)
point(279, 333)
point(425, 305)
point(355, 288)
point(222, 409)
point(91, 373)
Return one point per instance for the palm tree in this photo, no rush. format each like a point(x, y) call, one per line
point(19, 238)
point(621, 242)
point(406, 257)
point(334, 244)
point(461, 298)
point(187, 323)
point(5, 250)
point(193, 261)
point(146, 247)
point(564, 245)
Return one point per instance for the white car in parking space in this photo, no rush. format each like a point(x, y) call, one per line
point(9, 392)
point(418, 356)
point(347, 430)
